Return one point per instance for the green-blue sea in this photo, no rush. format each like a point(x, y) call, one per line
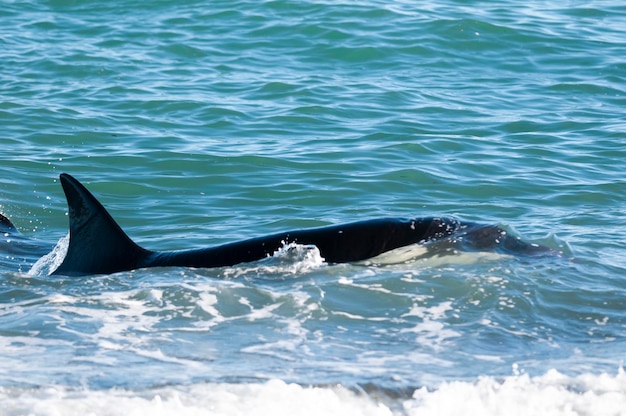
point(197, 123)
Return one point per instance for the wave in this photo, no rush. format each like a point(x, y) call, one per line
point(553, 393)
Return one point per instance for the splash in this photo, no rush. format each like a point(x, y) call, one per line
point(51, 261)
point(296, 258)
point(290, 259)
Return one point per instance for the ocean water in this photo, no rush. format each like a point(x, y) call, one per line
point(200, 123)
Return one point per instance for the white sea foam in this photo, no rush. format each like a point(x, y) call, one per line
point(553, 394)
point(430, 331)
point(550, 394)
point(272, 398)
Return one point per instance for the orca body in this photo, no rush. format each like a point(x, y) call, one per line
point(15, 247)
point(99, 246)
point(6, 226)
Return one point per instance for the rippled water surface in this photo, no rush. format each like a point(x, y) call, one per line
point(200, 123)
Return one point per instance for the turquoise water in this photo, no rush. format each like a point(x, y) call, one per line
point(206, 122)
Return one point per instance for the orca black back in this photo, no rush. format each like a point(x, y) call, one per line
point(98, 245)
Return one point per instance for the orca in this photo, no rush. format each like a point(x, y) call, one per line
point(18, 251)
point(98, 245)
point(6, 226)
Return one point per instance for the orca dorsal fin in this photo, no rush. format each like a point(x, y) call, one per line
point(97, 245)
